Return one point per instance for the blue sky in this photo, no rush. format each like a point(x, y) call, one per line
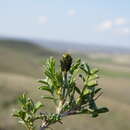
point(83, 21)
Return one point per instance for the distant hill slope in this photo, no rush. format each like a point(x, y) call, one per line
point(20, 67)
point(23, 57)
point(84, 48)
point(25, 46)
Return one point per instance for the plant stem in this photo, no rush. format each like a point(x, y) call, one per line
point(59, 108)
point(65, 83)
point(46, 125)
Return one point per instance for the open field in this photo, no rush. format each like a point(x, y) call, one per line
point(19, 71)
point(115, 97)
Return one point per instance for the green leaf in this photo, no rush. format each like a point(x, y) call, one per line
point(93, 77)
point(85, 67)
point(16, 113)
point(45, 88)
point(43, 81)
point(48, 97)
point(21, 122)
point(49, 74)
point(94, 71)
point(50, 68)
point(52, 63)
point(22, 114)
point(102, 110)
point(75, 75)
point(22, 99)
point(27, 117)
point(59, 79)
point(87, 91)
point(37, 106)
point(92, 83)
point(94, 114)
point(82, 67)
point(97, 90)
point(29, 105)
point(75, 66)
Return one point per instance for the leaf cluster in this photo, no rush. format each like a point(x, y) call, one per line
point(27, 113)
point(61, 84)
point(63, 89)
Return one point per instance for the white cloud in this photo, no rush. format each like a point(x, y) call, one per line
point(120, 21)
point(42, 19)
point(122, 31)
point(106, 25)
point(112, 26)
point(72, 12)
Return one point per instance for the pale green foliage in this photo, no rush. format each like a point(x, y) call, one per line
point(27, 112)
point(61, 85)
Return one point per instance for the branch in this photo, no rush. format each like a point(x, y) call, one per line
point(69, 113)
point(44, 126)
point(98, 96)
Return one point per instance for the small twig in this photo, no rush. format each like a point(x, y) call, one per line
point(60, 122)
point(45, 124)
point(68, 113)
point(98, 96)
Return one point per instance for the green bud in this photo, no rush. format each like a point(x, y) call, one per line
point(66, 62)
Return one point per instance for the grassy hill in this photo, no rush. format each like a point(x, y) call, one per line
point(20, 56)
point(21, 66)
point(25, 46)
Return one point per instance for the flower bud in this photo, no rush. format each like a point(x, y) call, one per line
point(59, 91)
point(66, 62)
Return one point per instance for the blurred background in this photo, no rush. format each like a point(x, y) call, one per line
point(97, 31)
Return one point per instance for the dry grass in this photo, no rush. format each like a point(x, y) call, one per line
point(115, 98)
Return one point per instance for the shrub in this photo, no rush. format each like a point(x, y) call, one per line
point(69, 99)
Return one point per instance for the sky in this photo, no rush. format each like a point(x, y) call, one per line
point(104, 22)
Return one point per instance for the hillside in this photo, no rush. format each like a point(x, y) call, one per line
point(83, 47)
point(21, 65)
point(22, 56)
point(25, 46)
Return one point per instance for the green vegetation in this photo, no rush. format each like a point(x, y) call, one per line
point(68, 98)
